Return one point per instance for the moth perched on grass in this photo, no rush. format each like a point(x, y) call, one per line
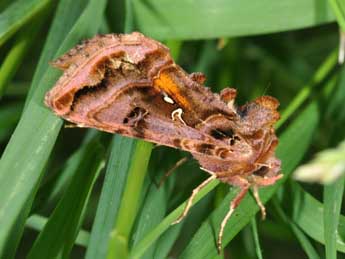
point(129, 84)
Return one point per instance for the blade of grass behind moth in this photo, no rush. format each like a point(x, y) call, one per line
point(293, 143)
point(51, 190)
point(168, 19)
point(114, 184)
point(153, 211)
point(9, 115)
point(60, 28)
point(301, 237)
point(155, 233)
point(338, 8)
point(17, 14)
point(320, 75)
point(16, 54)
point(38, 223)
point(256, 238)
point(332, 200)
point(34, 139)
point(308, 215)
point(58, 236)
point(120, 234)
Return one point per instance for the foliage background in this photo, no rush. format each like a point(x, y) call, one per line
point(81, 193)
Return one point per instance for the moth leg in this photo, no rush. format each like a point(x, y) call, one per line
point(171, 170)
point(259, 202)
point(244, 185)
point(191, 198)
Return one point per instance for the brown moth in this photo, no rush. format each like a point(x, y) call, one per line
point(130, 85)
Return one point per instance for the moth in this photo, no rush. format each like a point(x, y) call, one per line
point(129, 84)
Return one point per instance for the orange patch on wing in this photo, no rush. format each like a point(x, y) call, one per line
point(166, 83)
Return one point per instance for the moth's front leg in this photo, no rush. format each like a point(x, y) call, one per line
point(191, 198)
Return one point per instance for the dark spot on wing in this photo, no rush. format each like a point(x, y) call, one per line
point(205, 148)
point(221, 133)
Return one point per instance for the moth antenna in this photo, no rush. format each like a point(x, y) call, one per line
point(266, 88)
point(172, 170)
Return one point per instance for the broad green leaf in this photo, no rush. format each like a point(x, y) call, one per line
point(196, 19)
point(34, 139)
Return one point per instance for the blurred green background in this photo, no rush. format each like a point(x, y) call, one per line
point(78, 193)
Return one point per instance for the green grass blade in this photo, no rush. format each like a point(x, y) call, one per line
point(302, 238)
point(320, 75)
point(51, 190)
point(58, 236)
point(338, 7)
point(9, 115)
point(154, 234)
point(256, 238)
point(153, 211)
point(17, 14)
point(34, 139)
point(112, 191)
point(309, 213)
point(332, 198)
point(16, 54)
point(120, 235)
point(38, 222)
point(60, 28)
point(181, 19)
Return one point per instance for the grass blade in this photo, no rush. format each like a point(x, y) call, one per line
point(332, 198)
point(302, 238)
point(16, 54)
point(256, 238)
point(112, 191)
point(34, 139)
point(120, 235)
point(181, 19)
point(38, 222)
point(17, 14)
point(309, 213)
point(9, 117)
point(57, 237)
